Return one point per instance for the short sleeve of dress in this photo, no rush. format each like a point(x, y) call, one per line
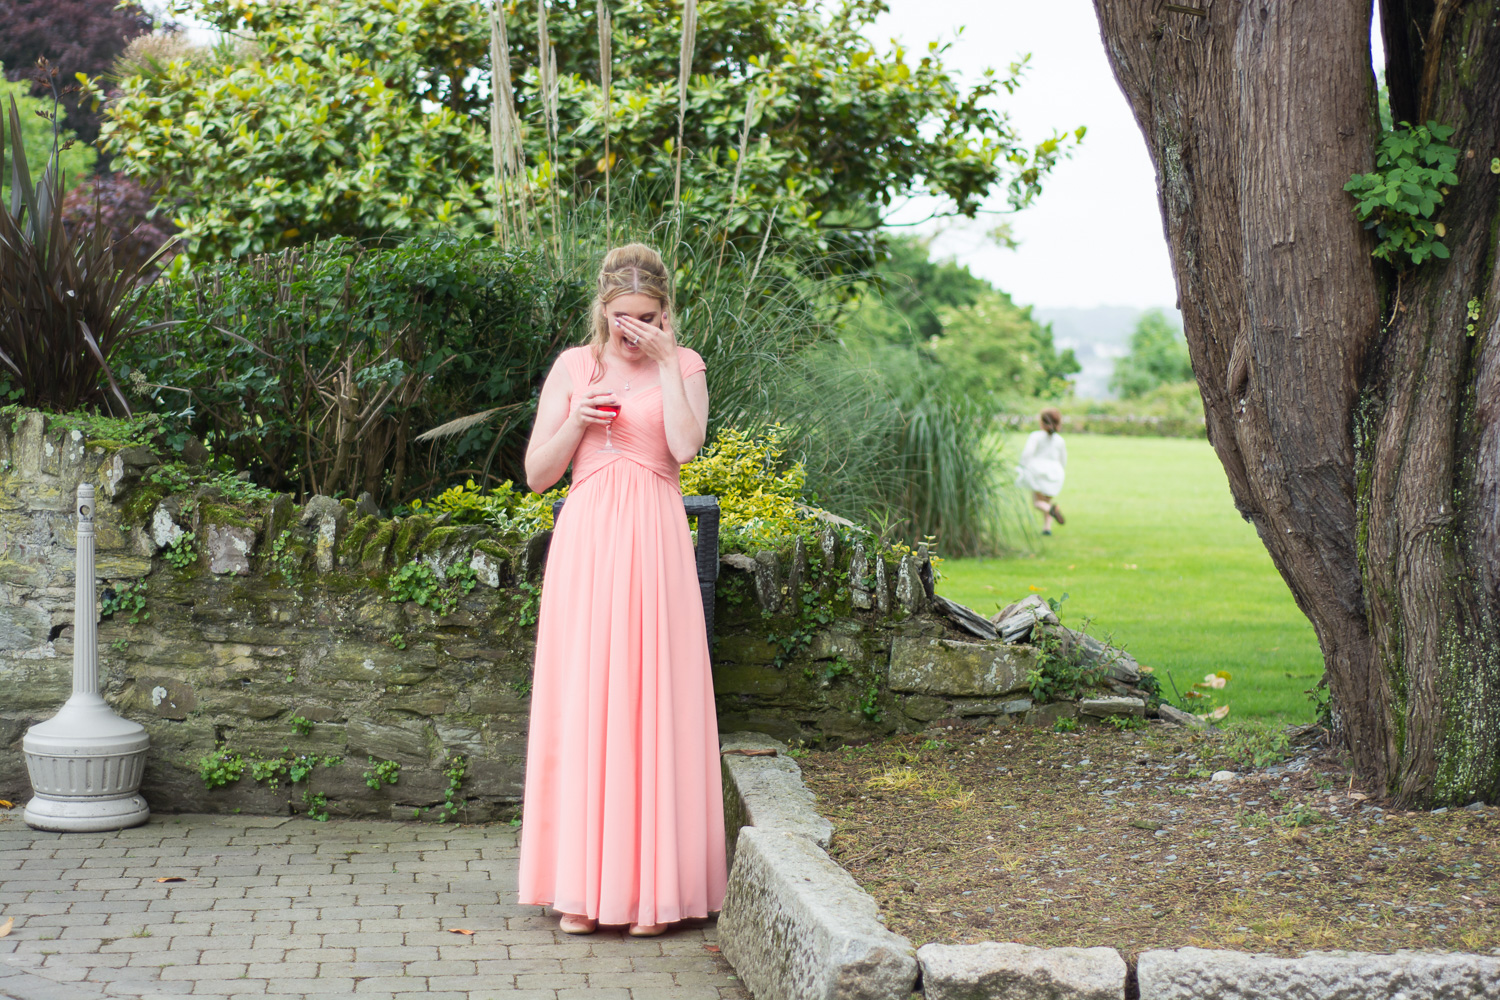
point(578, 363)
point(691, 362)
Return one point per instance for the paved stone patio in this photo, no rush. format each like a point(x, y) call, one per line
point(289, 908)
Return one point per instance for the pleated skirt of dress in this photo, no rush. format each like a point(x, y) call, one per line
point(623, 818)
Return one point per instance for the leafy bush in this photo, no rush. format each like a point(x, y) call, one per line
point(760, 494)
point(1174, 409)
point(338, 121)
point(354, 118)
point(316, 368)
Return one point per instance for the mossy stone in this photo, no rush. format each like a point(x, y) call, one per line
point(438, 538)
point(224, 514)
point(372, 556)
point(353, 544)
point(409, 536)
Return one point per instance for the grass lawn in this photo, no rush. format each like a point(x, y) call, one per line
point(1155, 553)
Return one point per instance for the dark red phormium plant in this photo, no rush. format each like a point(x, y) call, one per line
point(65, 303)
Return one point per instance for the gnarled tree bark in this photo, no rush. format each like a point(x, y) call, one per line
point(1357, 418)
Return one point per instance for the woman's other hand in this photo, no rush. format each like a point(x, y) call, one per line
point(658, 344)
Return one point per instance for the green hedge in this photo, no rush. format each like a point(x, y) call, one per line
point(316, 368)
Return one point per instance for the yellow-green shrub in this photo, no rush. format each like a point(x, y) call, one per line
point(506, 508)
point(760, 496)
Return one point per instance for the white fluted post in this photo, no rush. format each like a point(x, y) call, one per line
point(85, 614)
point(86, 762)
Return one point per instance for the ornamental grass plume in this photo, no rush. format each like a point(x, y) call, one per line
point(684, 71)
point(606, 40)
point(734, 187)
point(508, 154)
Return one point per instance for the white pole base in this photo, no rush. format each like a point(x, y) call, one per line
point(86, 815)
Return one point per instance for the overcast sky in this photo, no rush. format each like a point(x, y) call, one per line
point(1094, 237)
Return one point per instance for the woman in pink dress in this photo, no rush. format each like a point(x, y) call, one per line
point(623, 816)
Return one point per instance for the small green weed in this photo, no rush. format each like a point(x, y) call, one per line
point(385, 772)
point(301, 726)
point(1065, 725)
point(128, 599)
point(182, 553)
point(317, 805)
point(454, 770)
point(221, 767)
point(284, 557)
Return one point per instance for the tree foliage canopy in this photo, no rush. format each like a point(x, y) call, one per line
point(982, 345)
point(1158, 356)
point(361, 118)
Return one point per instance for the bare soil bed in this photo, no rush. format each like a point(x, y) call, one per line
point(1121, 838)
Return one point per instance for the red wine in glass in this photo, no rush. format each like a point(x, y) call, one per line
point(613, 409)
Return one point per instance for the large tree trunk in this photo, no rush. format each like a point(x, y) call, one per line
point(1358, 421)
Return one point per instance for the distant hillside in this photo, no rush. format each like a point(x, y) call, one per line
point(1097, 336)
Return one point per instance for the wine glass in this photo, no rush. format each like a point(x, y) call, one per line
point(613, 409)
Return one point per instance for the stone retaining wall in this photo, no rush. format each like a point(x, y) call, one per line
point(277, 640)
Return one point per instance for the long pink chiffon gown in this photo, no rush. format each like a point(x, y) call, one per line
point(623, 819)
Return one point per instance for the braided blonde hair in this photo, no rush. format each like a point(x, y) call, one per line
point(628, 270)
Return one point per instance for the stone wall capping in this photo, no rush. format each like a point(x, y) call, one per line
point(995, 969)
point(1120, 705)
point(965, 618)
point(1195, 973)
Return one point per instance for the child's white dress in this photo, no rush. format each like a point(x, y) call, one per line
point(1043, 462)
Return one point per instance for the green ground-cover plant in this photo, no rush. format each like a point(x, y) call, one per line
point(384, 772)
point(1155, 549)
point(502, 507)
point(221, 767)
point(128, 600)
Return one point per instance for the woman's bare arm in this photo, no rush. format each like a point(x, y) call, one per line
point(556, 433)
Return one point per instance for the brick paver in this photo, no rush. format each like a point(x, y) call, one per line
point(275, 909)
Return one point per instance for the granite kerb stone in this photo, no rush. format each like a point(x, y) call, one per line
point(1195, 973)
point(1020, 972)
point(767, 792)
point(796, 926)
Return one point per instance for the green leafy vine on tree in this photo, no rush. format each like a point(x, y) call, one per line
point(1414, 166)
